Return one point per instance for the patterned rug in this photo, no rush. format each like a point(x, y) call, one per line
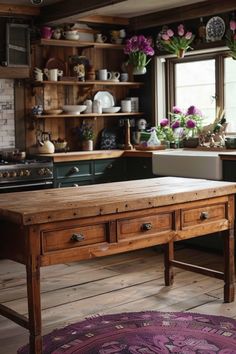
point(144, 333)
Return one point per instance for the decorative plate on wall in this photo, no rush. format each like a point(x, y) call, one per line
point(215, 29)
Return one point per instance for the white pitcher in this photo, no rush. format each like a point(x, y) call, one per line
point(53, 74)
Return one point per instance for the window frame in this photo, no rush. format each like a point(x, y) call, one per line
point(169, 78)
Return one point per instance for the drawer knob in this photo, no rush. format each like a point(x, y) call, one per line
point(204, 215)
point(74, 169)
point(146, 226)
point(77, 237)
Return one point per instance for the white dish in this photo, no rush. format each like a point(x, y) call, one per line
point(107, 100)
point(74, 109)
point(215, 29)
point(113, 109)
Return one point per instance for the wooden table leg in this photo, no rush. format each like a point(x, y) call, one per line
point(229, 265)
point(34, 305)
point(169, 256)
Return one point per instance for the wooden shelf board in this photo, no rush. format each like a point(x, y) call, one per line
point(88, 115)
point(90, 83)
point(78, 43)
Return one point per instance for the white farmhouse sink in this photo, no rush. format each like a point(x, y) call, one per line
point(183, 163)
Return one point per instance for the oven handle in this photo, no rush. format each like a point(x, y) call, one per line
point(37, 184)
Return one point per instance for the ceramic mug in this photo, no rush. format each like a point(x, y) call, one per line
point(104, 75)
point(124, 77)
point(46, 32)
point(53, 74)
point(126, 106)
point(99, 38)
point(38, 76)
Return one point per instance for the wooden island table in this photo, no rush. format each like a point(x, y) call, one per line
point(40, 228)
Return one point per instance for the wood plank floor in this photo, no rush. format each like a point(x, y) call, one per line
point(120, 283)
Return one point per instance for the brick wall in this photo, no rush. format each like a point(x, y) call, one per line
point(7, 123)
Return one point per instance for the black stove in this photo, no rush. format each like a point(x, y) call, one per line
point(27, 174)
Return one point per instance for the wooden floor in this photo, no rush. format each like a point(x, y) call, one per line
point(121, 283)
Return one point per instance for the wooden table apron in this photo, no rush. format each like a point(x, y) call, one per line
point(48, 227)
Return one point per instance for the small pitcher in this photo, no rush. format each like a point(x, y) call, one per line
point(53, 74)
point(97, 106)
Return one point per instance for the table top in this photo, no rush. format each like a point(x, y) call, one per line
point(37, 207)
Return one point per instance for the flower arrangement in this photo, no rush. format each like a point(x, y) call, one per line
point(231, 39)
point(138, 48)
point(86, 132)
point(181, 125)
point(177, 44)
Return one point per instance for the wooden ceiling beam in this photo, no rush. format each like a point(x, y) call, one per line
point(105, 19)
point(17, 10)
point(187, 12)
point(68, 8)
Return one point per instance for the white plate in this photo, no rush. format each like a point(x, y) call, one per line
point(215, 29)
point(107, 100)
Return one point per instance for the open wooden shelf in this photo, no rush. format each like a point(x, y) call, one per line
point(88, 115)
point(90, 83)
point(78, 43)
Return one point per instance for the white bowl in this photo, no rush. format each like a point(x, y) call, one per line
point(113, 109)
point(74, 109)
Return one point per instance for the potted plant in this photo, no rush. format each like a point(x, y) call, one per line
point(177, 44)
point(138, 49)
point(87, 135)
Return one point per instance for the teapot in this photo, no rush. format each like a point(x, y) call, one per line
point(45, 145)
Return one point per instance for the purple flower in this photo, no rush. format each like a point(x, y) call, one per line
point(170, 32)
point(139, 44)
point(177, 110)
point(175, 125)
point(165, 36)
point(181, 30)
point(232, 25)
point(188, 35)
point(190, 124)
point(164, 122)
point(192, 110)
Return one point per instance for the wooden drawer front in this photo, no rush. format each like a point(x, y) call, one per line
point(203, 215)
point(146, 226)
point(67, 238)
point(101, 166)
point(74, 170)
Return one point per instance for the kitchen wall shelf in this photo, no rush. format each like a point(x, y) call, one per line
point(90, 83)
point(79, 44)
point(87, 115)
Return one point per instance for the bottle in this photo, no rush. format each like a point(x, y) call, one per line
point(202, 31)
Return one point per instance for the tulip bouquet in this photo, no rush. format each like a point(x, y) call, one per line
point(177, 44)
point(231, 39)
point(138, 48)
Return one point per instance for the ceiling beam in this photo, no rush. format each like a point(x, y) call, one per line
point(17, 10)
point(68, 8)
point(105, 19)
point(187, 12)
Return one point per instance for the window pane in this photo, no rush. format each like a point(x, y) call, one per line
point(195, 85)
point(230, 94)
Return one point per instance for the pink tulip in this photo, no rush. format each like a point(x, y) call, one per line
point(232, 25)
point(170, 32)
point(188, 35)
point(165, 37)
point(181, 30)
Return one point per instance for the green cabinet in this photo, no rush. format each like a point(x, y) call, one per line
point(138, 168)
point(229, 170)
point(109, 170)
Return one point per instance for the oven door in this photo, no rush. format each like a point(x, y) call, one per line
point(25, 186)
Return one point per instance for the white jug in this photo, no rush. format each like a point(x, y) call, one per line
point(89, 105)
point(53, 74)
point(97, 106)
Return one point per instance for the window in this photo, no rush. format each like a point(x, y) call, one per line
point(195, 85)
point(207, 81)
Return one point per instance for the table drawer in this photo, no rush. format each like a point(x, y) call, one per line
point(61, 239)
point(202, 215)
point(145, 226)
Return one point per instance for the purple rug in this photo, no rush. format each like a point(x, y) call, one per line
point(144, 333)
